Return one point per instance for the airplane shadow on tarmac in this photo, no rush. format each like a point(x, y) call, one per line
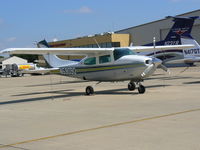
point(194, 82)
point(169, 78)
point(58, 83)
point(71, 93)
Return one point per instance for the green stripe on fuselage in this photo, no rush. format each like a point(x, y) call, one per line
point(106, 68)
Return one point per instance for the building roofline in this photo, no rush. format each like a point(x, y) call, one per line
point(156, 21)
point(6, 58)
point(88, 36)
point(3, 59)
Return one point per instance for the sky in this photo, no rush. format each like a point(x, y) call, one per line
point(24, 22)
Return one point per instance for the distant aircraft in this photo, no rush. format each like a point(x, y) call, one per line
point(180, 33)
point(38, 70)
point(102, 64)
point(18, 70)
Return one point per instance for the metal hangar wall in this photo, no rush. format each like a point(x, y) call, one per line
point(143, 34)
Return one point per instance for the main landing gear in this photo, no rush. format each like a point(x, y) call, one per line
point(89, 90)
point(132, 86)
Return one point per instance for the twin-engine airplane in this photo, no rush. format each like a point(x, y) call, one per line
point(180, 33)
point(102, 64)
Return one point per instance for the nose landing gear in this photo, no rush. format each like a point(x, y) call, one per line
point(141, 89)
point(132, 86)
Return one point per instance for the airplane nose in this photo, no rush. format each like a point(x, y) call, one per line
point(153, 60)
point(152, 64)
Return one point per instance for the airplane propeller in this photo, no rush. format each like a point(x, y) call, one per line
point(155, 64)
point(147, 70)
point(163, 67)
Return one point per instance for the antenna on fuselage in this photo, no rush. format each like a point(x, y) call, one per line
point(97, 43)
point(154, 45)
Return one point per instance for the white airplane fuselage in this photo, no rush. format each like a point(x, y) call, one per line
point(129, 67)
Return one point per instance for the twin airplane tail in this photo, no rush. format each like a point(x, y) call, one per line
point(186, 38)
point(180, 33)
point(53, 60)
point(181, 29)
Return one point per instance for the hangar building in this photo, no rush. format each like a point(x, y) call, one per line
point(143, 34)
point(137, 35)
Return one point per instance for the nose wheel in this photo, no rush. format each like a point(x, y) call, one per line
point(132, 86)
point(141, 89)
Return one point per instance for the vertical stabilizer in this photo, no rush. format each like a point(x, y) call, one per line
point(191, 52)
point(53, 60)
point(182, 27)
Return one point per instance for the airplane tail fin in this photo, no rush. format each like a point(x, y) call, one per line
point(53, 60)
point(43, 44)
point(191, 52)
point(182, 27)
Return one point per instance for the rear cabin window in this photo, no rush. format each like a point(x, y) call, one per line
point(90, 61)
point(104, 59)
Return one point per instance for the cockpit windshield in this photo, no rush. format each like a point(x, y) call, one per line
point(119, 52)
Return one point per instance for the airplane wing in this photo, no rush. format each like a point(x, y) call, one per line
point(57, 51)
point(165, 47)
point(87, 51)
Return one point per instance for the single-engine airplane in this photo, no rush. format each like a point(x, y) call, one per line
point(102, 64)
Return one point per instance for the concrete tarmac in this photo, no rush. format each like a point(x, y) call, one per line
point(51, 112)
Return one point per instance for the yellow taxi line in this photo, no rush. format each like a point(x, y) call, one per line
point(101, 127)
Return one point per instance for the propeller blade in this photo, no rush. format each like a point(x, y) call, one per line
point(147, 70)
point(163, 67)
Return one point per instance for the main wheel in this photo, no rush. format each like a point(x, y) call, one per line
point(141, 89)
point(89, 90)
point(131, 86)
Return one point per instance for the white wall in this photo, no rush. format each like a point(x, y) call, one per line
point(14, 60)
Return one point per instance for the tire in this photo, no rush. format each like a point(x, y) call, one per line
point(131, 86)
point(141, 89)
point(89, 90)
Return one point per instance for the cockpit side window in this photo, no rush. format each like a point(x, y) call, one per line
point(118, 53)
point(90, 61)
point(104, 59)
